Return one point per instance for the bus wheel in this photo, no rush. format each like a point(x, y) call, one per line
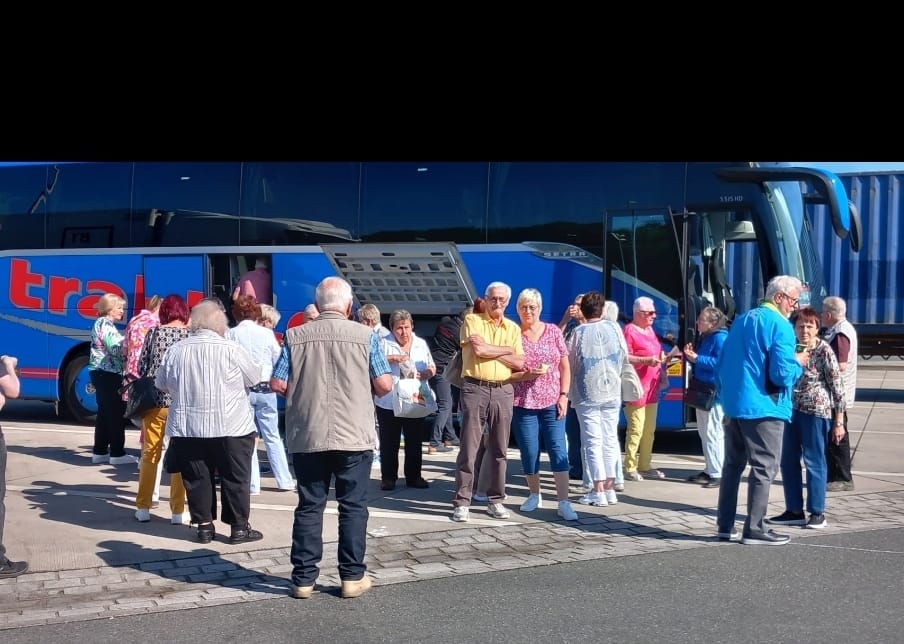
point(79, 402)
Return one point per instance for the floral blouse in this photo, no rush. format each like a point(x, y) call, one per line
point(136, 330)
point(820, 390)
point(155, 346)
point(543, 391)
point(106, 346)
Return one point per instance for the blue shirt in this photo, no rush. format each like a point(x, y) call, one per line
point(378, 363)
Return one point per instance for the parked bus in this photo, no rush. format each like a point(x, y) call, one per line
point(427, 237)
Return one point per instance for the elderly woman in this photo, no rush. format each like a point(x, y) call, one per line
point(408, 357)
point(210, 422)
point(704, 355)
point(263, 347)
point(597, 353)
point(105, 368)
point(818, 403)
point(646, 354)
point(173, 316)
point(540, 403)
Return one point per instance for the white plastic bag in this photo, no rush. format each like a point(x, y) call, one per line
point(413, 398)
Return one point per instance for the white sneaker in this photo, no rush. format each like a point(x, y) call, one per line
point(125, 459)
point(566, 511)
point(181, 519)
point(594, 498)
point(478, 498)
point(611, 499)
point(619, 487)
point(533, 502)
point(100, 458)
point(143, 516)
point(498, 511)
point(461, 514)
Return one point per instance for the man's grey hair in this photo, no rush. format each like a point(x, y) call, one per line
point(369, 315)
point(492, 286)
point(835, 306)
point(207, 315)
point(782, 284)
point(644, 303)
point(333, 294)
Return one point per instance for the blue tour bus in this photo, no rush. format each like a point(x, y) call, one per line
point(427, 237)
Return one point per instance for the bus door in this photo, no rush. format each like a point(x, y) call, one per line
point(644, 257)
point(185, 275)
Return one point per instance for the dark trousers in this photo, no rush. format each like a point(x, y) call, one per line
point(391, 429)
point(230, 457)
point(442, 428)
point(315, 472)
point(2, 495)
point(490, 406)
point(838, 457)
point(573, 438)
point(110, 424)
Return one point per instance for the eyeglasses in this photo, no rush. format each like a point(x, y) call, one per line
point(794, 302)
point(647, 312)
point(528, 307)
point(497, 298)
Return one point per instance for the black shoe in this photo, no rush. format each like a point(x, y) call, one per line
point(765, 539)
point(244, 535)
point(386, 484)
point(817, 521)
point(702, 477)
point(788, 518)
point(713, 482)
point(206, 532)
point(10, 569)
point(419, 483)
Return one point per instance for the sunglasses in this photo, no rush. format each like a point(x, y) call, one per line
point(647, 312)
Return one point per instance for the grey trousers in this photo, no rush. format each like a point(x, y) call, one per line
point(756, 441)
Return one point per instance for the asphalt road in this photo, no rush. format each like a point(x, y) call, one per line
point(837, 588)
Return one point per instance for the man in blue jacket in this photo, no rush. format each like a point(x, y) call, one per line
point(755, 376)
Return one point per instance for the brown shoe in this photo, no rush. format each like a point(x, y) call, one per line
point(302, 592)
point(387, 485)
point(356, 588)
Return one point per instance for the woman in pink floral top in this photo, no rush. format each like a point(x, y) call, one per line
point(540, 403)
point(818, 401)
point(136, 331)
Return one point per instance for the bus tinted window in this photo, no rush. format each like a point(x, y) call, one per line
point(423, 202)
point(552, 202)
point(187, 204)
point(89, 205)
point(299, 203)
point(22, 206)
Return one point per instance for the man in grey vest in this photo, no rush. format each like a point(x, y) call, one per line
point(329, 370)
point(842, 337)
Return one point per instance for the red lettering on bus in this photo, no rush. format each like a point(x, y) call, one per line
point(21, 279)
point(295, 320)
point(59, 291)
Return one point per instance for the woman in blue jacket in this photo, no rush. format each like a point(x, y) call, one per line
point(711, 326)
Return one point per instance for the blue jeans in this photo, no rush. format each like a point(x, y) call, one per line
point(315, 472)
point(529, 425)
point(805, 436)
point(266, 419)
point(442, 428)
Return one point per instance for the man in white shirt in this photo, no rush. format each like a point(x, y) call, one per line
point(210, 422)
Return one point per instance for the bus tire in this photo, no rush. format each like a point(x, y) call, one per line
point(79, 402)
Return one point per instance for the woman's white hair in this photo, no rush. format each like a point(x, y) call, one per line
point(208, 315)
point(643, 303)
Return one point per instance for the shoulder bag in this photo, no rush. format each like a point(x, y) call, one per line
point(452, 372)
point(700, 395)
point(631, 387)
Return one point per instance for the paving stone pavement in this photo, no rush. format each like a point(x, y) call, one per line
point(214, 579)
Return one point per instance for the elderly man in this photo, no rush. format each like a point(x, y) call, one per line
point(328, 371)
point(256, 283)
point(754, 375)
point(491, 351)
point(842, 337)
point(210, 422)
